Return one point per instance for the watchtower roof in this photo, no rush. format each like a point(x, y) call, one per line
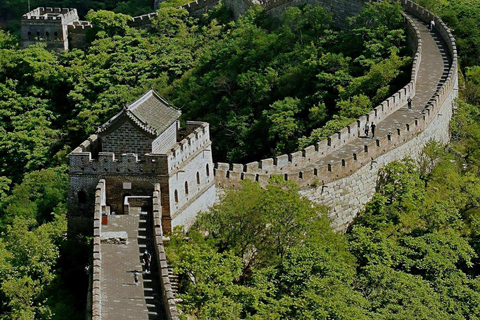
point(150, 112)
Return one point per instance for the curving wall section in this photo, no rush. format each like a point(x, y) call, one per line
point(343, 181)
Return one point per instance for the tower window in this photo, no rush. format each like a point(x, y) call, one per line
point(176, 196)
point(186, 188)
point(198, 177)
point(208, 171)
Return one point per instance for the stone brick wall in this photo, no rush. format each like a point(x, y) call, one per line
point(239, 7)
point(96, 293)
point(127, 139)
point(347, 196)
point(47, 25)
point(191, 168)
point(200, 7)
point(143, 22)
point(76, 34)
point(172, 169)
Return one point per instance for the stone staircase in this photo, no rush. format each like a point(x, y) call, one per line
point(121, 297)
point(151, 281)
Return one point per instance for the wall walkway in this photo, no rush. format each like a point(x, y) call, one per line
point(124, 240)
point(118, 247)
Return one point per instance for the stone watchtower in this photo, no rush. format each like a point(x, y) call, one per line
point(53, 26)
point(139, 147)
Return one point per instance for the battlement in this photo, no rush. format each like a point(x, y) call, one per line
point(147, 16)
point(62, 15)
point(298, 168)
point(197, 140)
point(80, 25)
point(109, 163)
point(142, 21)
point(199, 5)
point(88, 158)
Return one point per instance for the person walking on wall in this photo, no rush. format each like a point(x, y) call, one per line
point(147, 259)
point(373, 126)
point(409, 101)
point(367, 128)
point(431, 25)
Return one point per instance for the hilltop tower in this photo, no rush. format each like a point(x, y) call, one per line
point(141, 146)
point(55, 27)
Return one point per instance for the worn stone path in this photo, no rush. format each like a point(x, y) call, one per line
point(433, 71)
point(121, 298)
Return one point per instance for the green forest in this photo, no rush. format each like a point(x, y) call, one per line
point(267, 87)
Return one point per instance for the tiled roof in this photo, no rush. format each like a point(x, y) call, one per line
point(150, 112)
point(154, 111)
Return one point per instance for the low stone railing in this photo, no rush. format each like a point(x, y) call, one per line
point(166, 287)
point(96, 293)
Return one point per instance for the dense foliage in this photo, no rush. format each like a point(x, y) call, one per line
point(413, 253)
point(267, 87)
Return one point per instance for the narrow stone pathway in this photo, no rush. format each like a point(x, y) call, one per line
point(432, 73)
point(121, 298)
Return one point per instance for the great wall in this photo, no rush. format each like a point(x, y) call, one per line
point(340, 172)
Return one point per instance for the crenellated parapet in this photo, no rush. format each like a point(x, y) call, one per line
point(143, 21)
point(168, 294)
point(84, 159)
point(200, 7)
point(66, 15)
point(194, 142)
point(109, 163)
point(301, 167)
point(95, 299)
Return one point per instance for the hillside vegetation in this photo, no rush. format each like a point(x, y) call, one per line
point(267, 87)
